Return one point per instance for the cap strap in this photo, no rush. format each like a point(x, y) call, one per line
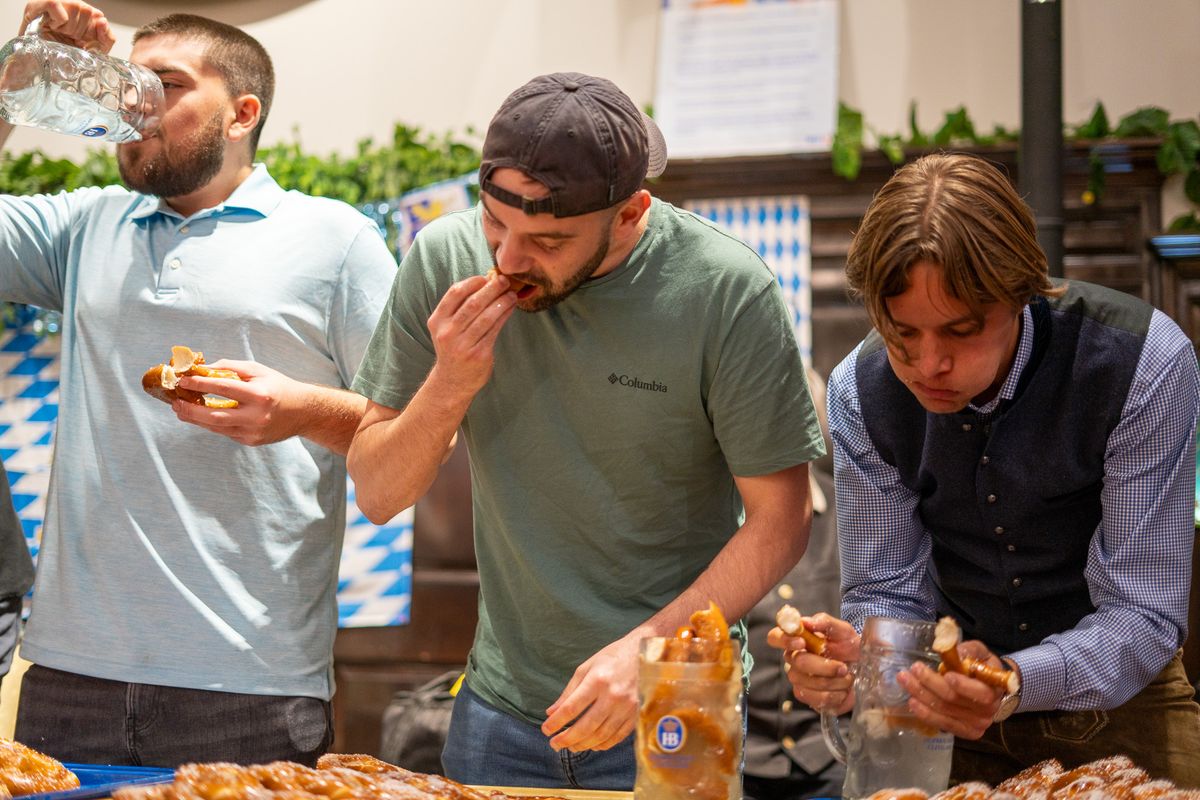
point(544, 205)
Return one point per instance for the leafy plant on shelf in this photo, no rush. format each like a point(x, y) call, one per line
point(374, 173)
point(1178, 151)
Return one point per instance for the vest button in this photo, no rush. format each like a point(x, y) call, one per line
point(999, 530)
point(1012, 548)
point(787, 742)
point(985, 461)
point(1023, 626)
point(1016, 582)
point(785, 706)
point(966, 426)
point(991, 498)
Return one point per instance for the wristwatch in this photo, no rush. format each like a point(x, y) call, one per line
point(1010, 701)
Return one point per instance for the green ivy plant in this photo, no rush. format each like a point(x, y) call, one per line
point(1178, 152)
point(374, 173)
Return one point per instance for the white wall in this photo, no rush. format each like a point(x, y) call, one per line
point(350, 68)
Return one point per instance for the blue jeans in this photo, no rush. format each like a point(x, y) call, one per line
point(489, 747)
point(96, 721)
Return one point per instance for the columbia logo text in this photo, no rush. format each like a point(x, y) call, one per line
point(637, 383)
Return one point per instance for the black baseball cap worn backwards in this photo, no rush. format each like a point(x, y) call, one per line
point(578, 135)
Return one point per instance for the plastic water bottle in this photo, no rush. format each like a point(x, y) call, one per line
point(65, 89)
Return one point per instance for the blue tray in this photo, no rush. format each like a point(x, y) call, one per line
point(100, 780)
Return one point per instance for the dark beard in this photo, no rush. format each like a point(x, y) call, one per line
point(178, 169)
point(549, 298)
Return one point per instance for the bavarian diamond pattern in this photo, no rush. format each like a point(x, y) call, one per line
point(779, 230)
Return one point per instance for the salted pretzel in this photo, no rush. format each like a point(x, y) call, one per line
point(899, 794)
point(1112, 778)
point(791, 622)
point(162, 380)
point(337, 777)
point(24, 770)
point(946, 636)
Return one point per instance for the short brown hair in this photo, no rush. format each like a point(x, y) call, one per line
point(961, 213)
point(238, 57)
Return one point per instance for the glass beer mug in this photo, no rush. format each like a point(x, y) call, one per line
point(64, 89)
point(689, 727)
point(885, 745)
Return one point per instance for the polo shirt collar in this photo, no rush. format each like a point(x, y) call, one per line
point(258, 194)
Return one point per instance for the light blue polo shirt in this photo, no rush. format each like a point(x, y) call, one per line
point(172, 555)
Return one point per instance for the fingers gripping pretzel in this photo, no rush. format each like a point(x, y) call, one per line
point(791, 622)
point(162, 380)
point(945, 643)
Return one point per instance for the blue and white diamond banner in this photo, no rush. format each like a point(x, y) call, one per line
point(375, 579)
point(780, 231)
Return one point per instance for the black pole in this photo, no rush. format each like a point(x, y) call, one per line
point(1039, 164)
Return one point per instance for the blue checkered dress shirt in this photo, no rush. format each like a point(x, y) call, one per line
point(1139, 560)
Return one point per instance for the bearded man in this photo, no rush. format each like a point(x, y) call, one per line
point(184, 607)
point(639, 433)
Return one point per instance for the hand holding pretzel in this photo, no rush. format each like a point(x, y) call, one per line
point(269, 406)
point(464, 327)
point(822, 679)
point(963, 697)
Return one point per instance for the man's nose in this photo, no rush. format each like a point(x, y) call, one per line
point(932, 360)
point(510, 259)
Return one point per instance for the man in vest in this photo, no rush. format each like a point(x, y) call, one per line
point(1018, 454)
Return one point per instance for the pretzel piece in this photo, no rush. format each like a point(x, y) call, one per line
point(791, 622)
point(946, 636)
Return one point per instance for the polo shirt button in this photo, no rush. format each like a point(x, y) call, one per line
point(966, 426)
point(785, 591)
point(787, 742)
point(785, 706)
point(184, 229)
point(1023, 626)
point(991, 498)
point(985, 461)
point(999, 530)
point(1016, 582)
point(175, 263)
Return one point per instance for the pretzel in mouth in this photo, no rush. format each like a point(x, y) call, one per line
point(522, 288)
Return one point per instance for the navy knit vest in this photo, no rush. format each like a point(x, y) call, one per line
point(1012, 498)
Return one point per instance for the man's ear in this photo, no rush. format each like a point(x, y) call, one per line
point(631, 211)
point(246, 112)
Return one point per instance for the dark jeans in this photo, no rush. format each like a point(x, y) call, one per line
point(1159, 728)
point(96, 721)
point(488, 746)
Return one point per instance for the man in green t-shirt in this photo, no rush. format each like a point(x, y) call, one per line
point(638, 438)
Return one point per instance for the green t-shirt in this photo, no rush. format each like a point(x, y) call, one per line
point(603, 447)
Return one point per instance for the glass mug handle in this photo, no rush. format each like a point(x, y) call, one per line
point(34, 26)
point(833, 736)
point(831, 730)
